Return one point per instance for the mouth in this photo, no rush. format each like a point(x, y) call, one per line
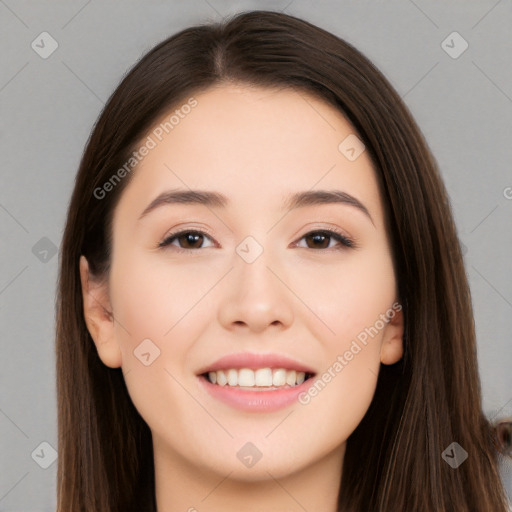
point(260, 379)
point(258, 383)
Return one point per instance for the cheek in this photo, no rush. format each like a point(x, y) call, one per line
point(151, 298)
point(157, 310)
point(358, 300)
point(349, 297)
point(337, 401)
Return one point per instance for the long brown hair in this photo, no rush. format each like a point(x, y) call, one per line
point(422, 404)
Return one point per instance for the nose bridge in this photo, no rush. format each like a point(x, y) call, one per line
point(254, 259)
point(256, 296)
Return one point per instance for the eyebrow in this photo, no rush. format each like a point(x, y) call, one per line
point(291, 202)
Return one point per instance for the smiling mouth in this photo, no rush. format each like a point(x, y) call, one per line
point(261, 379)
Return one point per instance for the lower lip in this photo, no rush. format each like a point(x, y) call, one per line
point(256, 401)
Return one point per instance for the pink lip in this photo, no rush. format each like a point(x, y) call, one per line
point(255, 361)
point(255, 401)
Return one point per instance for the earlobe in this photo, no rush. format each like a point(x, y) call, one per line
point(392, 342)
point(98, 317)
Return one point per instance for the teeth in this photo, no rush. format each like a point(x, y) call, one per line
point(221, 378)
point(245, 377)
point(291, 377)
point(279, 377)
point(263, 377)
point(232, 377)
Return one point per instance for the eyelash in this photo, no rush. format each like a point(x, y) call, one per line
point(346, 243)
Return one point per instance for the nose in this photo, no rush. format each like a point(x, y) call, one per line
point(256, 295)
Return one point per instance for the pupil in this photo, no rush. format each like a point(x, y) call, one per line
point(318, 237)
point(191, 238)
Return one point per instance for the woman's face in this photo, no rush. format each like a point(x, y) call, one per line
point(253, 277)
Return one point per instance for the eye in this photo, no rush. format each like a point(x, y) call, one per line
point(318, 239)
point(194, 239)
point(189, 238)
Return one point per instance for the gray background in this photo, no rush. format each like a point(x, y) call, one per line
point(463, 106)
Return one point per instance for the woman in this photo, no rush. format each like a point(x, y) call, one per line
point(262, 300)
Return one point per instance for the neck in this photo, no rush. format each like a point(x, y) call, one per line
point(182, 487)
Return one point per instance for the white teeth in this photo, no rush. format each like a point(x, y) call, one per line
point(221, 378)
point(232, 377)
point(279, 377)
point(291, 377)
point(245, 377)
point(263, 377)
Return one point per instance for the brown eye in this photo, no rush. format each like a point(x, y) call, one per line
point(322, 239)
point(191, 240)
point(187, 240)
point(318, 240)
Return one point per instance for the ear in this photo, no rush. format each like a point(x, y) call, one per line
point(391, 350)
point(98, 316)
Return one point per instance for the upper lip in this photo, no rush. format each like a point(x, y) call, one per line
point(255, 361)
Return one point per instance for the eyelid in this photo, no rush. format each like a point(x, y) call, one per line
point(344, 240)
point(340, 236)
point(331, 228)
point(173, 235)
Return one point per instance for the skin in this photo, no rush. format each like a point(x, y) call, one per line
point(254, 145)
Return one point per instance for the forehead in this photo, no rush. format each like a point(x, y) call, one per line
point(254, 145)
